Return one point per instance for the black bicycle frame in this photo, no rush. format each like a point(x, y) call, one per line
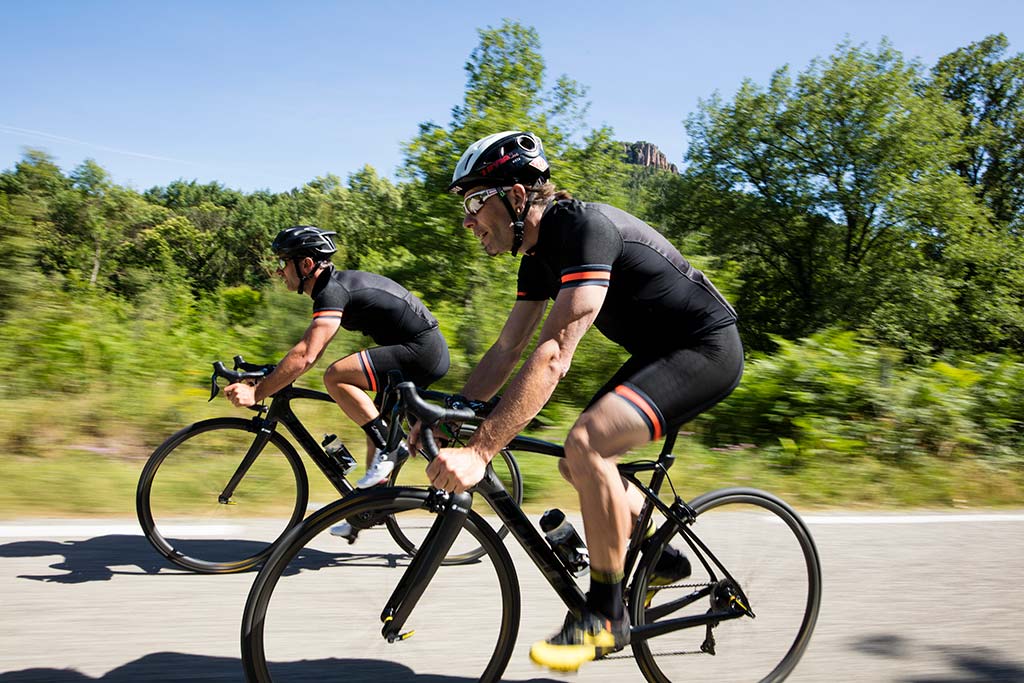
point(280, 411)
point(453, 509)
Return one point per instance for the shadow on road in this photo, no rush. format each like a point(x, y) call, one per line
point(91, 559)
point(976, 665)
point(94, 559)
point(171, 666)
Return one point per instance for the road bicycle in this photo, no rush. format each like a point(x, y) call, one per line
point(746, 613)
point(217, 495)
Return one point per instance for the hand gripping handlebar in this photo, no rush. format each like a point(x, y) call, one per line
point(250, 371)
point(430, 414)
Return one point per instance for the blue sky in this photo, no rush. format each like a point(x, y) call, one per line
point(271, 95)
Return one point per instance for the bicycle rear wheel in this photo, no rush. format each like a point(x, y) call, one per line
point(314, 611)
point(178, 496)
point(410, 530)
point(769, 552)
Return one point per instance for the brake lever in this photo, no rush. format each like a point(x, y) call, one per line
point(214, 387)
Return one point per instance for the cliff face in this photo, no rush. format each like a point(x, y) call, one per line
point(647, 154)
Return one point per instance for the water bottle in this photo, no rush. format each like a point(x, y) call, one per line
point(337, 452)
point(564, 540)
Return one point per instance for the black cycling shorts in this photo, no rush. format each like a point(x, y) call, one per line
point(671, 388)
point(422, 360)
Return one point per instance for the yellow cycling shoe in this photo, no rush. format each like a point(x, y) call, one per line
point(582, 639)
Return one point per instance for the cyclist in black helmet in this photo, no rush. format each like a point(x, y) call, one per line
point(407, 335)
point(606, 268)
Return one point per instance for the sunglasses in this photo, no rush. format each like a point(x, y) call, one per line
point(475, 201)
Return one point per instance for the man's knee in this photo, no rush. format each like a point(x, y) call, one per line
point(580, 449)
point(563, 469)
point(331, 374)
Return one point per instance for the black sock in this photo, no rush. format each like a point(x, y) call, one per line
point(377, 431)
point(605, 596)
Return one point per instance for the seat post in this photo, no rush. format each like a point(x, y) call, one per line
point(670, 442)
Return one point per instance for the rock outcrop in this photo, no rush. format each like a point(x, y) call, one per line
point(644, 153)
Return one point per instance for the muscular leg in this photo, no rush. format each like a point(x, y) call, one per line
point(633, 495)
point(607, 429)
point(346, 382)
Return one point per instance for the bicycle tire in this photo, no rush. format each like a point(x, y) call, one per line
point(296, 590)
point(786, 547)
point(463, 551)
point(212, 449)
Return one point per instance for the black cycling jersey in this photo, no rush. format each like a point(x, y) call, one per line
point(372, 304)
point(656, 299)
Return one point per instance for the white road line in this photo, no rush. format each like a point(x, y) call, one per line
point(913, 519)
point(232, 531)
point(91, 530)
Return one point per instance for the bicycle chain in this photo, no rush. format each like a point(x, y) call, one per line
point(675, 653)
point(679, 585)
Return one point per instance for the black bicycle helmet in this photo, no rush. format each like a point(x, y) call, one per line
point(304, 240)
point(300, 241)
point(505, 158)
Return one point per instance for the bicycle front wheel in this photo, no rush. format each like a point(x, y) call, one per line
point(180, 503)
point(409, 531)
point(315, 609)
point(770, 555)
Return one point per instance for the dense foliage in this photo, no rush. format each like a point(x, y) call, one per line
point(867, 205)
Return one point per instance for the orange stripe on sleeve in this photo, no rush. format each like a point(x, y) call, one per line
point(587, 275)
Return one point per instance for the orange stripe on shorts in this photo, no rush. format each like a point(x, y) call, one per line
point(637, 400)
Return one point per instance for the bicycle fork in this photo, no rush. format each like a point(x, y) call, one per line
point(265, 429)
point(452, 510)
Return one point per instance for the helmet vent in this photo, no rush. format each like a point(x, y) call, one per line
point(527, 142)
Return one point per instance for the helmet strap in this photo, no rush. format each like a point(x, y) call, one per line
point(518, 222)
point(302, 278)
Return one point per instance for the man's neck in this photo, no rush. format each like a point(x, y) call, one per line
point(310, 283)
point(531, 228)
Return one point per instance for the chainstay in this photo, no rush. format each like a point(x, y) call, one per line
point(675, 653)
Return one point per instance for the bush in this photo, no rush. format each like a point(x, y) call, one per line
point(832, 396)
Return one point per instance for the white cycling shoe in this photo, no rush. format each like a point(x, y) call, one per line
point(344, 530)
point(381, 468)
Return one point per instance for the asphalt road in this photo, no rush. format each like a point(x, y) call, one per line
point(916, 598)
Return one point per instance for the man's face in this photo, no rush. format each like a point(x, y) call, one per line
point(286, 271)
point(491, 223)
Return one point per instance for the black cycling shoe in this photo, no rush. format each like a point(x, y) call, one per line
point(582, 639)
point(672, 566)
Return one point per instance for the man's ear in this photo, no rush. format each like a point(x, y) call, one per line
point(519, 197)
point(308, 265)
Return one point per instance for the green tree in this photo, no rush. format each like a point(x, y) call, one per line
point(987, 86)
point(834, 191)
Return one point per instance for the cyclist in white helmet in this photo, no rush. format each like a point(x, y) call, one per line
point(606, 268)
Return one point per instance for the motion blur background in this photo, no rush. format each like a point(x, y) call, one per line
point(849, 178)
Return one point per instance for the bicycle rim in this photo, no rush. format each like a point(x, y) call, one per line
point(409, 531)
point(768, 551)
point(314, 611)
point(178, 504)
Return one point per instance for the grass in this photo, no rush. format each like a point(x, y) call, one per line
point(82, 455)
point(89, 479)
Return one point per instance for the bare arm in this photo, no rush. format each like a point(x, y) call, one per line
point(571, 316)
point(298, 360)
point(494, 368)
